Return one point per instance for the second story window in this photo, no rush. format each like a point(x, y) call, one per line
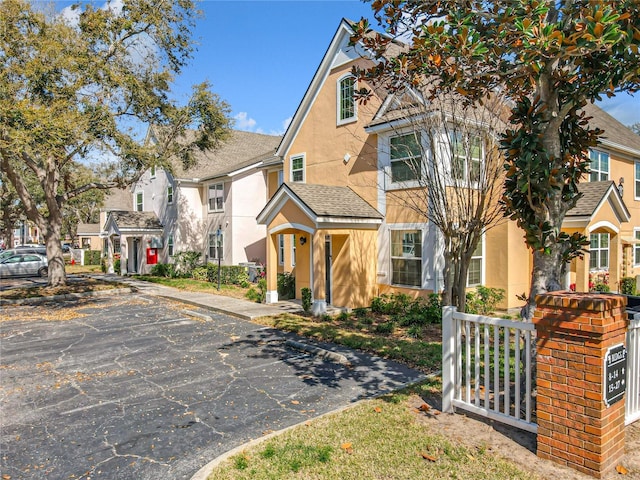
point(406, 158)
point(169, 194)
point(637, 182)
point(216, 197)
point(346, 100)
point(466, 160)
point(139, 202)
point(297, 168)
point(599, 166)
point(152, 172)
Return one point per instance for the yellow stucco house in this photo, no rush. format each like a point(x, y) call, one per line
point(331, 222)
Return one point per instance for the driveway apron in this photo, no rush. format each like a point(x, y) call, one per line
point(145, 388)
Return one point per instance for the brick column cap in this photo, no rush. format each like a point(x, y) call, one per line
point(585, 301)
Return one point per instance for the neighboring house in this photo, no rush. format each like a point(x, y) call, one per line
point(88, 236)
point(330, 203)
point(210, 208)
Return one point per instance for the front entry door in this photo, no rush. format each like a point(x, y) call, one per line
point(327, 270)
point(136, 246)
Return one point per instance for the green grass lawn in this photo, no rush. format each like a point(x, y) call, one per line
point(384, 438)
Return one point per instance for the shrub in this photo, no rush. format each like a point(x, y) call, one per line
point(360, 312)
point(306, 299)
point(601, 287)
point(433, 309)
point(484, 300)
point(391, 304)
point(92, 257)
point(186, 262)
point(200, 273)
point(628, 286)
point(343, 316)
point(385, 328)
point(163, 270)
point(259, 294)
point(286, 286)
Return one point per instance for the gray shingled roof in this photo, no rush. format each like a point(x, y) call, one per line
point(135, 220)
point(614, 131)
point(118, 199)
point(240, 150)
point(88, 229)
point(332, 201)
point(593, 192)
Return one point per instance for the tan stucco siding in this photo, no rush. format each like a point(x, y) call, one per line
point(290, 213)
point(507, 262)
point(398, 206)
point(325, 144)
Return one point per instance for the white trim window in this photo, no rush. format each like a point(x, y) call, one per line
point(281, 249)
point(406, 257)
point(297, 168)
point(216, 197)
point(466, 156)
point(636, 247)
point(152, 172)
point(170, 247)
point(216, 246)
point(293, 250)
point(139, 201)
point(637, 182)
point(170, 194)
point(405, 157)
point(599, 251)
point(347, 108)
point(474, 274)
point(599, 166)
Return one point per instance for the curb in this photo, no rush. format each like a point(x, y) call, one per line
point(66, 296)
point(320, 352)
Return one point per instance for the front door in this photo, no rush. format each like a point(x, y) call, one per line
point(327, 269)
point(136, 247)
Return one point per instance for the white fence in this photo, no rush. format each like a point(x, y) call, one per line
point(632, 407)
point(486, 367)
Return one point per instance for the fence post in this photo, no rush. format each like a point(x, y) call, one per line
point(580, 407)
point(448, 358)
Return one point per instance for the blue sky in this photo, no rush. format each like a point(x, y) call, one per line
point(261, 55)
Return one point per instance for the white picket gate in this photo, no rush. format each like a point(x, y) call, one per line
point(632, 406)
point(486, 366)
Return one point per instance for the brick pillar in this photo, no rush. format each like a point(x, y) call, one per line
point(575, 427)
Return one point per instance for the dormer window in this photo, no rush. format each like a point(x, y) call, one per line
point(346, 101)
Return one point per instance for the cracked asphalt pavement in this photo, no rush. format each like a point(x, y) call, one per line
point(140, 387)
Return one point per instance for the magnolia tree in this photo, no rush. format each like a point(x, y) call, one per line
point(445, 159)
point(548, 58)
point(81, 87)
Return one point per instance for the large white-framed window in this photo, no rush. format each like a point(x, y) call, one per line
point(139, 201)
point(405, 157)
point(216, 197)
point(599, 165)
point(347, 108)
point(599, 251)
point(474, 274)
point(297, 168)
point(637, 181)
point(281, 249)
point(170, 246)
point(636, 247)
point(406, 257)
point(467, 153)
point(170, 194)
point(216, 246)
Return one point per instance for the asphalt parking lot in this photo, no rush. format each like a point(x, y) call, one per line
point(137, 387)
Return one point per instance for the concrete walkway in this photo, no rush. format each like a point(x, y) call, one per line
point(237, 307)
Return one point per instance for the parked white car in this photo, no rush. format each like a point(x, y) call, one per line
point(24, 264)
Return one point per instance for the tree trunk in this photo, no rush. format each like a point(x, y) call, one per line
point(57, 272)
point(447, 294)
